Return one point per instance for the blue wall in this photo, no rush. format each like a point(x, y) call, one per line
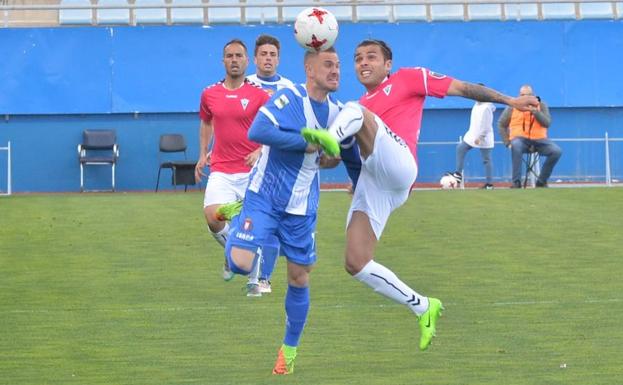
point(144, 81)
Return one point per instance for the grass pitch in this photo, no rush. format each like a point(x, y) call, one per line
point(126, 289)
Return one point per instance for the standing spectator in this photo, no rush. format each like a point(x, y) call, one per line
point(227, 110)
point(479, 135)
point(526, 131)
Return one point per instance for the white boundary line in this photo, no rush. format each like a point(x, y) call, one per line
point(165, 309)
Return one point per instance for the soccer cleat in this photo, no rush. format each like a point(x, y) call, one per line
point(428, 322)
point(285, 360)
point(265, 286)
point(323, 138)
point(228, 275)
point(253, 290)
point(487, 186)
point(227, 211)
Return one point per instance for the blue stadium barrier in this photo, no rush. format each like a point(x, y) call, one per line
point(144, 81)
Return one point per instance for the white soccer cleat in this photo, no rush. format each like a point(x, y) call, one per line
point(265, 286)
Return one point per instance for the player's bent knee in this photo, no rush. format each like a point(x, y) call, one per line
point(240, 260)
point(235, 268)
point(353, 267)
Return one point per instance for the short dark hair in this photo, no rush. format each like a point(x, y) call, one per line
point(387, 52)
point(234, 41)
point(266, 39)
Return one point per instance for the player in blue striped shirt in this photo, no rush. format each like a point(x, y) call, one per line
point(283, 192)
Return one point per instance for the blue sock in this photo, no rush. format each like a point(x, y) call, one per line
point(270, 252)
point(297, 306)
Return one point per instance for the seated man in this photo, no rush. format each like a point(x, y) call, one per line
point(522, 130)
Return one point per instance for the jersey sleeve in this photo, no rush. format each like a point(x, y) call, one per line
point(204, 108)
point(426, 82)
point(278, 123)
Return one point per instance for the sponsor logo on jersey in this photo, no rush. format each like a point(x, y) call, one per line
point(281, 101)
point(230, 96)
point(245, 103)
point(245, 237)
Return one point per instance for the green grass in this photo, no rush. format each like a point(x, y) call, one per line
point(126, 289)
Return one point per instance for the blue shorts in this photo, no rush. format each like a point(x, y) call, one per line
point(258, 220)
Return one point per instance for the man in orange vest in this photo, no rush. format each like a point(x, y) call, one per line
point(522, 130)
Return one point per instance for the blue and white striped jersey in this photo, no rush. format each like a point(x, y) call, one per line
point(272, 84)
point(285, 175)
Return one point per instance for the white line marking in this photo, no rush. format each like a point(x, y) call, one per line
point(337, 306)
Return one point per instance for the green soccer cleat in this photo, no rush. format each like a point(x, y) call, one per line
point(428, 322)
point(323, 138)
point(227, 211)
point(285, 360)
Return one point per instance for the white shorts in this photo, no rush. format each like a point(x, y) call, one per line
point(225, 188)
point(385, 180)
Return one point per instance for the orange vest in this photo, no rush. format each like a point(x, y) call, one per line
point(524, 124)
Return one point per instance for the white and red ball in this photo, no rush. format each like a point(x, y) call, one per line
point(315, 29)
point(448, 182)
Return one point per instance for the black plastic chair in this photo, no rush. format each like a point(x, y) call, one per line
point(533, 165)
point(182, 171)
point(98, 148)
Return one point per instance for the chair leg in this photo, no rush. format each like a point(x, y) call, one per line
point(158, 180)
point(81, 178)
point(113, 177)
point(174, 171)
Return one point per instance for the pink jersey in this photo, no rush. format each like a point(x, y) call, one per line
point(399, 100)
point(231, 113)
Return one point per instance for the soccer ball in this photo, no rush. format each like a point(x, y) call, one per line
point(448, 182)
point(315, 29)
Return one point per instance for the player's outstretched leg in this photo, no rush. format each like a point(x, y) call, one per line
point(322, 138)
point(428, 322)
point(227, 211)
point(347, 123)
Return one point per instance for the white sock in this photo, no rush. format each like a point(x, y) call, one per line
point(254, 274)
point(348, 122)
point(221, 236)
point(385, 282)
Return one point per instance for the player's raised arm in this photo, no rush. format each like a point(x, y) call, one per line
point(266, 131)
point(485, 94)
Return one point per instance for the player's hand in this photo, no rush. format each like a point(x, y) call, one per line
point(250, 159)
point(312, 148)
point(525, 103)
point(477, 141)
point(327, 161)
point(201, 164)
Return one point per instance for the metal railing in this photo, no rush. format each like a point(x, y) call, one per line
point(7, 148)
point(356, 14)
point(607, 178)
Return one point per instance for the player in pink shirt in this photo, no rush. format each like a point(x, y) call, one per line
point(227, 110)
point(386, 123)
